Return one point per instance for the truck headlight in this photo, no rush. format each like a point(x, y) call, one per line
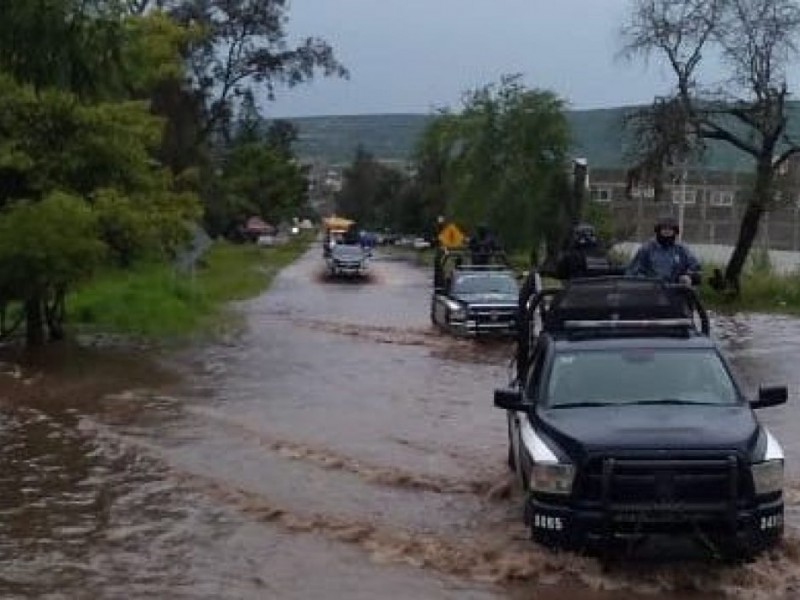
point(768, 477)
point(552, 478)
point(458, 314)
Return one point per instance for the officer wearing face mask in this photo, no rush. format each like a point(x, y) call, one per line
point(665, 258)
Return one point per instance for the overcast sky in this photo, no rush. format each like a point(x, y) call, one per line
point(414, 55)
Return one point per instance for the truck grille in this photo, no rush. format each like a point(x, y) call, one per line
point(622, 484)
point(489, 316)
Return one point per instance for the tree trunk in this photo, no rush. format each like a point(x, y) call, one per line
point(748, 229)
point(55, 314)
point(34, 321)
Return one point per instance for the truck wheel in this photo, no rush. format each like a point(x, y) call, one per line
point(512, 460)
point(735, 550)
point(525, 468)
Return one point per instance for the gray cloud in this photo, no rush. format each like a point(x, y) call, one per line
point(412, 55)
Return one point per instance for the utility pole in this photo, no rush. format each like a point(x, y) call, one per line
point(682, 205)
point(580, 173)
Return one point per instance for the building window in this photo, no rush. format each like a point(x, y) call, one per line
point(721, 198)
point(648, 192)
point(689, 198)
point(601, 194)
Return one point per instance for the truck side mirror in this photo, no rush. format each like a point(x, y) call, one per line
point(510, 399)
point(771, 396)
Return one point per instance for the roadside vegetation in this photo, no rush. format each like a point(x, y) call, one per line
point(123, 127)
point(760, 292)
point(154, 301)
point(763, 289)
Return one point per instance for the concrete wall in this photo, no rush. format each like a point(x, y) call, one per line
point(782, 261)
point(712, 213)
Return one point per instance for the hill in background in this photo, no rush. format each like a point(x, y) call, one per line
point(598, 134)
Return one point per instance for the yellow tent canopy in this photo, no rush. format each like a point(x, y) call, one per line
point(337, 223)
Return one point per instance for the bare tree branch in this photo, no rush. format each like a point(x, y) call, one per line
point(245, 48)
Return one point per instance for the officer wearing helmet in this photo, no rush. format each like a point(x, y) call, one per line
point(584, 255)
point(665, 258)
point(483, 245)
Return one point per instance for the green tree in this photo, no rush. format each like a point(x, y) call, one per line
point(259, 176)
point(282, 135)
point(500, 161)
point(45, 247)
point(371, 192)
point(78, 179)
point(107, 111)
point(258, 180)
point(245, 47)
point(69, 44)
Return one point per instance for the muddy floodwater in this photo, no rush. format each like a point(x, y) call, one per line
point(339, 447)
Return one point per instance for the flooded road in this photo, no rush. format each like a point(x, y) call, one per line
point(339, 448)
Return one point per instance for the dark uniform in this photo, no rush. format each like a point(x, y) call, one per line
point(584, 257)
point(664, 257)
point(482, 246)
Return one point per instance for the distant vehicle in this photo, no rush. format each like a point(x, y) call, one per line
point(421, 244)
point(388, 239)
point(266, 240)
point(336, 228)
point(348, 260)
point(627, 422)
point(474, 300)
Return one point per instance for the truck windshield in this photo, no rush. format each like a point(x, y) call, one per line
point(348, 251)
point(485, 283)
point(639, 376)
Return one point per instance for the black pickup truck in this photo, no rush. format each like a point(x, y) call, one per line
point(474, 300)
point(628, 422)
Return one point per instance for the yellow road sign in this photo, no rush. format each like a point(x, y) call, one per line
point(451, 236)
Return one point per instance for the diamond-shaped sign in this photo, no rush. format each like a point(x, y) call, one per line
point(451, 236)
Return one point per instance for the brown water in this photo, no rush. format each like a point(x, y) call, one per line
point(340, 448)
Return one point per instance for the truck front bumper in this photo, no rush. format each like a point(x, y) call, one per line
point(565, 526)
point(474, 328)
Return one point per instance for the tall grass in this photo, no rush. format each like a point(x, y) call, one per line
point(156, 301)
point(761, 291)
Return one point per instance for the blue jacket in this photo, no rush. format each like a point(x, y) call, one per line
point(667, 263)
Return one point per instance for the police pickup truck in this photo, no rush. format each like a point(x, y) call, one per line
point(349, 260)
point(474, 300)
point(627, 422)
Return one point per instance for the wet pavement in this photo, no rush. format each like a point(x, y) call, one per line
point(339, 448)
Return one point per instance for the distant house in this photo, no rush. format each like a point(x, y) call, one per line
point(256, 227)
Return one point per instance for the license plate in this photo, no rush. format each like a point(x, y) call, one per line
point(648, 517)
